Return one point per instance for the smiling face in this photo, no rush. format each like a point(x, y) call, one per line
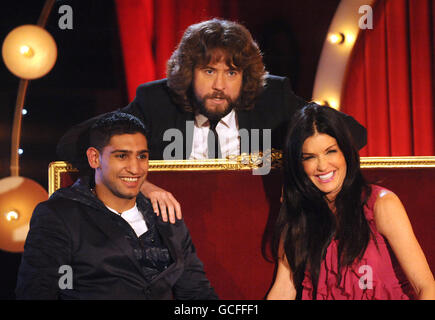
point(120, 170)
point(216, 87)
point(324, 163)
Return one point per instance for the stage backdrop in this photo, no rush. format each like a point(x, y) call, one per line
point(390, 84)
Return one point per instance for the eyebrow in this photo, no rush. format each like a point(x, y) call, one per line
point(230, 68)
point(129, 151)
point(331, 146)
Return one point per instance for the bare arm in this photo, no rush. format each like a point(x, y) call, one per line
point(283, 287)
point(393, 223)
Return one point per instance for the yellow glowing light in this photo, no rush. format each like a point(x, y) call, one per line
point(29, 52)
point(18, 198)
point(336, 38)
point(333, 104)
point(350, 38)
point(26, 51)
point(12, 215)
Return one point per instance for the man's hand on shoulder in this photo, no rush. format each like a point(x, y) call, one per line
point(163, 202)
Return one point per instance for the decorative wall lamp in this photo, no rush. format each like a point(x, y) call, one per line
point(336, 38)
point(29, 52)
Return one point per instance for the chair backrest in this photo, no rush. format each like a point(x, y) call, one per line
point(230, 211)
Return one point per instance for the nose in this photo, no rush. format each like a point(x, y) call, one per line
point(322, 164)
point(134, 166)
point(219, 82)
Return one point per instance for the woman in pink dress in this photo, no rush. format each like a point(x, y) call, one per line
point(336, 236)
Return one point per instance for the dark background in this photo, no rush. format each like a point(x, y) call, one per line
point(88, 77)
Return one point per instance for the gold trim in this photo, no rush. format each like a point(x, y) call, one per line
point(54, 170)
point(243, 162)
point(239, 163)
point(196, 165)
point(398, 162)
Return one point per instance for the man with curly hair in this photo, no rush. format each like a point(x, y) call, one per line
point(216, 82)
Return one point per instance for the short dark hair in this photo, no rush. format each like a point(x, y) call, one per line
point(111, 124)
point(196, 48)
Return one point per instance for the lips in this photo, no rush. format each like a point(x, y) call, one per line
point(217, 98)
point(130, 181)
point(325, 178)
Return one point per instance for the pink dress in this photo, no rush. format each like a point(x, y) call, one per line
point(377, 276)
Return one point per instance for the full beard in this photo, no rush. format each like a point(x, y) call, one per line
point(214, 114)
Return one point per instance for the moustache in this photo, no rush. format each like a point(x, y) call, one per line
point(217, 96)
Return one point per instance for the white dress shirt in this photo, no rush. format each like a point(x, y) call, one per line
point(228, 132)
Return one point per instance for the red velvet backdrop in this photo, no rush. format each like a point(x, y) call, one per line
point(150, 30)
point(390, 82)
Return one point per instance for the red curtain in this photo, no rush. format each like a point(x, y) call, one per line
point(390, 82)
point(150, 30)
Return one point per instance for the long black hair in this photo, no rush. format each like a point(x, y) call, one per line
point(306, 224)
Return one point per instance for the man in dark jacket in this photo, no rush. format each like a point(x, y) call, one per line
point(99, 239)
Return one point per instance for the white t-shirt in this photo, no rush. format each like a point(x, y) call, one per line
point(134, 218)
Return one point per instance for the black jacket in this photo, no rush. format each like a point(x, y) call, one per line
point(73, 228)
point(273, 110)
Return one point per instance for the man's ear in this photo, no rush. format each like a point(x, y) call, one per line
point(93, 157)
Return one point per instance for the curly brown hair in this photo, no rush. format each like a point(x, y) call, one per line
point(198, 47)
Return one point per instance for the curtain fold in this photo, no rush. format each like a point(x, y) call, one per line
point(390, 79)
point(423, 77)
point(150, 30)
point(136, 31)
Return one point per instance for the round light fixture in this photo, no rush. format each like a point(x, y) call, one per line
point(29, 52)
point(18, 198)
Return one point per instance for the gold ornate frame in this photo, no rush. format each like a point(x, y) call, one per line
point(243, 162)
point(55, 169)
